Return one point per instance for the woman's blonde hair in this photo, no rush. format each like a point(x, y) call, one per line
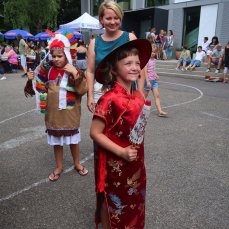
point(110, 5)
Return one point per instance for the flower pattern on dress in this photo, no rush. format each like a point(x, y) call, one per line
point(118, 210)
point(116, 184)
point(119, 134)
point(121, 121)
point(116, 166)
point(133, 183)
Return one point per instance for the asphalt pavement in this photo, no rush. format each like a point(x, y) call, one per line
point(186, 154)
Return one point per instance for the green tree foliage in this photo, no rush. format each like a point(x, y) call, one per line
point(33, 14)
point(69, 11)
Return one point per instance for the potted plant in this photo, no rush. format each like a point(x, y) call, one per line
point(178, 52)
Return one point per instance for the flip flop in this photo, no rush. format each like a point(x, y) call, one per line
point(54, 176)
point(162, 115)
point(82, 172)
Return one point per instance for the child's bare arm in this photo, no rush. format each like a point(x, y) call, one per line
point(128, 153)
point(30, 74)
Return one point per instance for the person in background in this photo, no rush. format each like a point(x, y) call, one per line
point(151, 83)
point(22, 51)
point(184, 59)
point(212, 46)
point(110, 17)
point(159, 40)
point(216, 58)
point(151, 35)
point(12, 60)
point(2, 49)
point(205, 45)
point(170, 41)
point(226, 63)
point(81, 56)
point(198, 59)
point(164, 47)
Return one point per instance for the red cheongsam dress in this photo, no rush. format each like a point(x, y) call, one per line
point(120, 184)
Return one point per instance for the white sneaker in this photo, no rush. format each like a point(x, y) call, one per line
point(182, 69)
point(208, 70)
point(186, 68)
point(216, 71)
point(3, 78)
point(177, 69)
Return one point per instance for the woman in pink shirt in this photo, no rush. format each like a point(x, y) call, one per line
point(11, 59)
point(11, 54)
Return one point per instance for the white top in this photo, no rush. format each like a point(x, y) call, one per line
point(200, 55)
point(97, 91)
point(205, 46)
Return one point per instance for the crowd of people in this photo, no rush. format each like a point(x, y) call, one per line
point(163, 43)
point(212, 53)
point(20, 55)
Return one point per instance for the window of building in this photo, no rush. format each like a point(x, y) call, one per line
point(149, 3)
point(124, 4)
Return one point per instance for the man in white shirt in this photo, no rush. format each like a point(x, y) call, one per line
point(198, 59)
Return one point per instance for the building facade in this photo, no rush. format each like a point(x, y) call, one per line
point(190, 20)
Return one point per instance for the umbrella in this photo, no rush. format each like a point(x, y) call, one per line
point(12, 34)
point(65, 31)
point(43, 36)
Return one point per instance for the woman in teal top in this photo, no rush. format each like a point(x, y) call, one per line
point(110, 17)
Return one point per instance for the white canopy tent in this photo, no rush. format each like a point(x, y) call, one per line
point(85, 23)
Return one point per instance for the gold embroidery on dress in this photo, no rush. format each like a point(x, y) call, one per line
point(119, 133)
point(109, 111)
point(133, 183)
point(132, 206)
point(116, 166)
point(121, 121)
point(116, 184)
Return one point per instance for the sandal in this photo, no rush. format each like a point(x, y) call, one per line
point(162, 114)
point(82, 172)
point(54, 176)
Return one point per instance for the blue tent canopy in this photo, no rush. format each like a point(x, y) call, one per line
point(43, 36)
point(12, 34)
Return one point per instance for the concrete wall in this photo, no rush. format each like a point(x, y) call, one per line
point(222, 27)
point(176, 25)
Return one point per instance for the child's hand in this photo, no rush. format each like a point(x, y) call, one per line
point(30, 74)
point(71, 70)
point(157, 77)
point(130, 153)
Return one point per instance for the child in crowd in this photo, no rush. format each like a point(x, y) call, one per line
point(58, 95)
point(184, 59)
point(119, 166)
point(198, 59)
point(151, 83)
point(226, 63)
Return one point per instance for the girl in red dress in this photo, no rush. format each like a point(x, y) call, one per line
point(119, 165)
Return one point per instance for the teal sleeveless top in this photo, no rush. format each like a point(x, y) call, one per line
point(103, 48)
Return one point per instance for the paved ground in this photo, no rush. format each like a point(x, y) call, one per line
point(186, 158)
